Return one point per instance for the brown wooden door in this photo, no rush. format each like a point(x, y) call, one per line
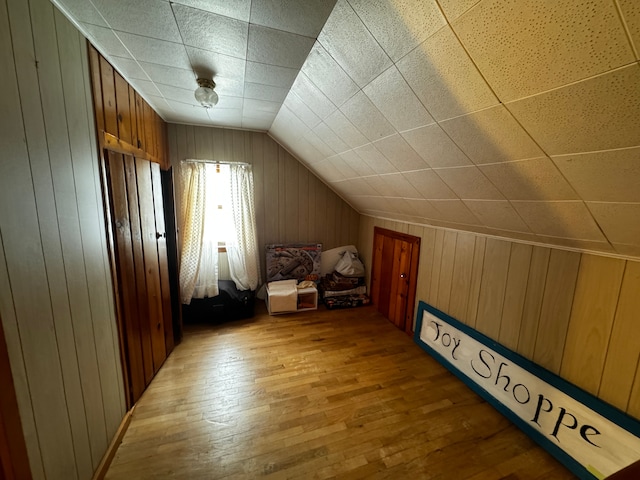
point(394, 276)
point(140, 260)
point(14, 462)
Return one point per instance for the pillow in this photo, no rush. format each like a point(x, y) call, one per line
point(329, 258)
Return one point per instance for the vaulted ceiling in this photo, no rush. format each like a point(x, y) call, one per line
point(515, 118)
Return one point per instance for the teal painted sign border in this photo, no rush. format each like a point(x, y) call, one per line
point(483, 373)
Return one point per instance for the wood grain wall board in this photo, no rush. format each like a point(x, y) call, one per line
point(96, 88)
point(314, 228)
point(591, 322)
point(330, 234)
point(461, 278)
point(633, 407)
point(427, 250)
point(623, 351)
point(123, 106)
point(271, 188)
point(292, 230)
point(282, 194)
point(303, 204)
point(109, 109)
point(476, 280)
point(494, 284)
point(150, 251)
point(26, 269)
point(72, 48)
point(149, 130)
point(129, 283)
point(556, 308)
point(133, 122)
point(446, 270)
point(536, 282)
point(142, 141)
point(163, 265)
point(74, 326)
point(435, 268)
point(257, 152)
point(515, 294)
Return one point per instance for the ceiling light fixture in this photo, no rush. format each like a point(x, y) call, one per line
point(205, 93)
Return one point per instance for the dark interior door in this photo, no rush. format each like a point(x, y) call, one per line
point(135, 199)
point(394, 276)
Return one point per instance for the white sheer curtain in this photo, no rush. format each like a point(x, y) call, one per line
point(242, 247)
point(199, 240)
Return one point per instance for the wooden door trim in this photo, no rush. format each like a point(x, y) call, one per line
point(14, 460)
point(413, 268)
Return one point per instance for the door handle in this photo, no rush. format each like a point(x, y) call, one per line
point(403, 275)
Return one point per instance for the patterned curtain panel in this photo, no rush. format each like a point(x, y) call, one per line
point(199, 256)
point(242, 247)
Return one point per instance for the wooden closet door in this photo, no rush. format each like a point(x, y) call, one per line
point(150, 237)
point(394, 276)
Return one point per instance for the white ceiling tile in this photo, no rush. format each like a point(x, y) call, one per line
point(265, 92)
point(312, 96)
point(145, 87)
point(400, 154)
point(600, 113)
point(523, 48)
point(225, 115)
point(435, 147)
point(569, 219)
point(444, 78)
point(176, 77)
point(178, 94)
point(491, 135)
point(238, 9)
point(212, 32)
point(454, 211)
point(345, 129)
point(150, 50)
point(454, 8)
point(214, 65)
point(128, 67)
point(329, 137)
point(270, 74)
point(257, 115)
point(81, 11)
point(106, 40)
point(532, 179)
point(366, 117)
point(126, 15)
point(399, 25)
point(327, 170)
point(328, 76)
point(304, 17)
point(184, 113)
point(379, 185)
point(349, 42)
point(357, 163)
point(397, 102)
point(469, 183)
point(319, 144)
point(620, 222)
point(227, 87)
point(374, 159)
point(609, 176)
point(631, 12)
point(251, 104)
point(259, 124)
point(401, 186)
point(429, 184)
point(275, 47)
point(342, 165)
point(300, 110)
point(227, 101)
point(423, 208)
point(497, 214)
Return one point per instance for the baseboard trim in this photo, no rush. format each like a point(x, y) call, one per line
point(101, 471)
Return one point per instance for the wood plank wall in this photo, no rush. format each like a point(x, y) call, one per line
point(575, 314)
point(292, 204)
point(123, 113)
point(56, 297)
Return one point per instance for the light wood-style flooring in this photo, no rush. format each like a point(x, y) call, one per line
point(326, 394)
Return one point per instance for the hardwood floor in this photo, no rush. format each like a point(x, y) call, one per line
point(326, 394)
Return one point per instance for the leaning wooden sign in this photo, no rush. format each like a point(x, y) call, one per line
point(593, 439)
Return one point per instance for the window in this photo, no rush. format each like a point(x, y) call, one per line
point(218, 222)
